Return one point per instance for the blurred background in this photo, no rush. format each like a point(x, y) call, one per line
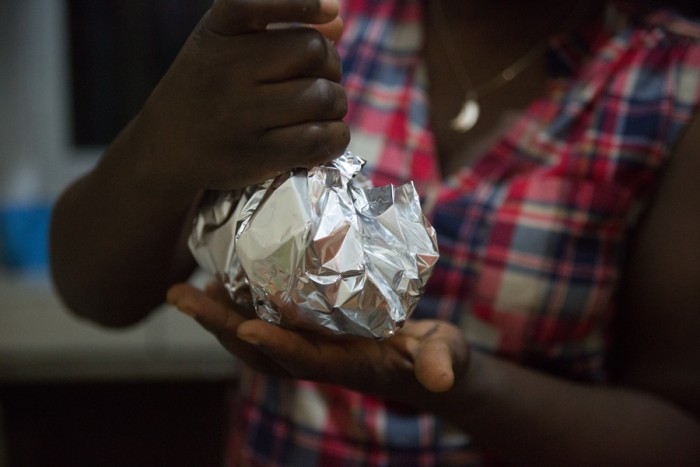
point(72, 73)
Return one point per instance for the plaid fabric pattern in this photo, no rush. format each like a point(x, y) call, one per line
point(532, 236)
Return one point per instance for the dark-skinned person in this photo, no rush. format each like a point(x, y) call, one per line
point(556, 150)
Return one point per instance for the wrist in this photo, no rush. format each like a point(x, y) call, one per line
point(475, 388)
point(131, 164)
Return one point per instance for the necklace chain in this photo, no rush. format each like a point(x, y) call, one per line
point(469, 112)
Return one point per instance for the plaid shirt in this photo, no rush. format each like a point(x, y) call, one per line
point(532, 236)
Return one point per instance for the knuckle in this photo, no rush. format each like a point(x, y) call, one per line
point(330, 98)
point(313, 138)
point(316, 50)
point(325, 141)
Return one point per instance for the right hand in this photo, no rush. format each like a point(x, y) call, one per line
point(242, 103)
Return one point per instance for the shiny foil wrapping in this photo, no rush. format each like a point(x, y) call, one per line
point(321, 249)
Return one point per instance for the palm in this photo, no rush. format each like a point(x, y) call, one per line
point(424, 355)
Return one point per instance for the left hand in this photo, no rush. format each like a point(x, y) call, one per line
point(424, 356)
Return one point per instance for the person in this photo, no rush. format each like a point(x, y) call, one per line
point(560, 325)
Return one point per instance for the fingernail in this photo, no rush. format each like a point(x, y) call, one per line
point(249, 338)
point(330, 8)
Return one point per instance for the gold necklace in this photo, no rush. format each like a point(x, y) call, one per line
point(468, 114)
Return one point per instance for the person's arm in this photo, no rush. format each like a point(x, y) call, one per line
point(239, 104)
point(118, 238)
point(650, 415)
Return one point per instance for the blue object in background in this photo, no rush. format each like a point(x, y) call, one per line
point(24, 236)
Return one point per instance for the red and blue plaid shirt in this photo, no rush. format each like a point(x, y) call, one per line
point(532, 236)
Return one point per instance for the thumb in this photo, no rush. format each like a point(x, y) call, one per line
point(332, 30)
point(232, 17)
point(433, 366)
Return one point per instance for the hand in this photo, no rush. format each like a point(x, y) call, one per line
point(425, 356)
point(221, 316)
point(242, 102)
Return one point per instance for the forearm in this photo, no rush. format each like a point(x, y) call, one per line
point(526, 415)
point(117, 238)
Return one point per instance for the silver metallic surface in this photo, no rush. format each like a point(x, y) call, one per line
point(321, 249)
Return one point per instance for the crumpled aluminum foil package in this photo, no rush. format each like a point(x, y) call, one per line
point(321, 249)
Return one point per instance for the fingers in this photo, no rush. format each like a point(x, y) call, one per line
point(332, 30)
point(433, 366)
point(220, 294)
point(308, 144)
point(303, 115)
point(217, 292)
point(430, 355)
point(222, 320)
point(232, 17)
point(437, 349)
point(238, 109)
point(212, 315)
point(301, 357)
point(277, 340)
point(301, 101)
point(287, 54)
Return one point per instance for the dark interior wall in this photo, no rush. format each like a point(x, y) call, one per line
point(115, 424)
point(118, 52)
